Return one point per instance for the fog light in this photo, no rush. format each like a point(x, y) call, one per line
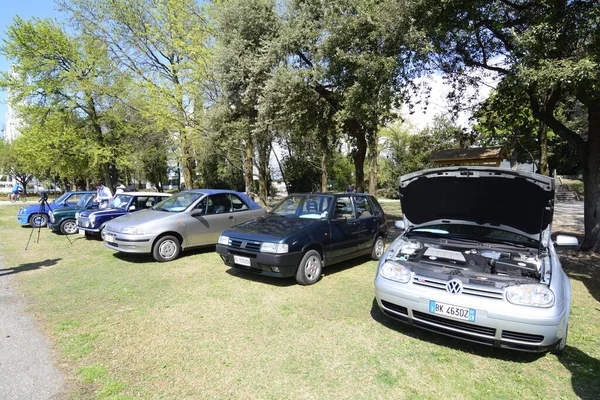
point(275, 269)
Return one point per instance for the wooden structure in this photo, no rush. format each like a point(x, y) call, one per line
point(491, 156)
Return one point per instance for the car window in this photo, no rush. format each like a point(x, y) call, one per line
point(343, 208)
point(218, 204)
point(74, 199)
point(376, 207)
point(237, 204)
point(62, 198)
point(120, 201)
point(84, 200)
point(363, 207)
point(141, 202)
point(303, 206)
point(178, 202)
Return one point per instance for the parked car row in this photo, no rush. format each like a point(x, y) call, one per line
point(475, 259)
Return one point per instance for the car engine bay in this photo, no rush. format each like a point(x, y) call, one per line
point(517, 263)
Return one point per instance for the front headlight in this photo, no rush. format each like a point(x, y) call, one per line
point(132, 230)
point(93, 219)
point(77, 215)
point(51, 215)
point(224, 240)
point(530, 295)
point(277, 248)
point(395, 272)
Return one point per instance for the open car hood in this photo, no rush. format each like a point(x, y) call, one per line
point(483, 195)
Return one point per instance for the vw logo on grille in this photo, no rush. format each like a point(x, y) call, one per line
point(454, 287)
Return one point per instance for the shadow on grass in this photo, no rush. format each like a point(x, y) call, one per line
point(585, 371)
point(29, 267)
point(449, 342)
point(290, 281)
point(140, 258)
point(584, 268)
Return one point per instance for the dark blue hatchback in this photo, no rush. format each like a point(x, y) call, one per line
point(304, 233)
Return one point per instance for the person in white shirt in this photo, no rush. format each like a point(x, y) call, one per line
point(103, 195)
point(120, 188)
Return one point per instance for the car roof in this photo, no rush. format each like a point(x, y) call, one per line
point(330, 194)
point(212, 191)
point(145, 194)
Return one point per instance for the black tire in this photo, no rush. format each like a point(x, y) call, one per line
point(562, 344)
point(13, 199)
point(167, 248)
point(310, 268)
point(38, 220)
point(378, 248)
point(68, 227)
point(23, 198)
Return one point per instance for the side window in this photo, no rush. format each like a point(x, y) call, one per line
point(141, 202)
point(363, 207)
point(218, 204)
point(343, 208)
point(237, 204)
point(202, 205)
point(73, 199)
point(376, 206)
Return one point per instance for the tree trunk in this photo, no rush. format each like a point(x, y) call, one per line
point(324, 177)
point(373, 155)
point(359, 162)
point(591, 182)
point(248, 163)
point(543, 143)
point(263, 147)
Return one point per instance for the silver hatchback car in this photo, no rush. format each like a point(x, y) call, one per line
point(476, 261)
point(188, 219)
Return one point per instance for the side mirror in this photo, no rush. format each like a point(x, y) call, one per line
point(400, 225)
point(197, 212)
point(132, 208)
point(94, 204)
point(566, 240)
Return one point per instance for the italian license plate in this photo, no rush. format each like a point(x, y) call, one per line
point(467, 314)
point(81, 232)
point(241, 260)
point(109, 239)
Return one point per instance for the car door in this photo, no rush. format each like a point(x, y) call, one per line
point(367, 222)
point(211, 216)
point(344, 229)
point(241, 211)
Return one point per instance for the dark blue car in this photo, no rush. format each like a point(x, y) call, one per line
point(304, 233)
point(33, 215)
point(90, 222)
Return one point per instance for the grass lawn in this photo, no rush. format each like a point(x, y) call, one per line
point(127, 327)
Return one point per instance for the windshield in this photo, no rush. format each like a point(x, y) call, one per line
point(178, 202)
point(472, 232)
point(62, 198)
point(311, 206)
point(84, 200)
point(120, 201)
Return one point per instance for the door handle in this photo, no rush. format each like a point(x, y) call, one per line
point(230, 217)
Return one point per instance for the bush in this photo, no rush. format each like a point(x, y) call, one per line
point(577, 187)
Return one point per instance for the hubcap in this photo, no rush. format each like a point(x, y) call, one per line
point(39, 220)
point(167, 249)
point(312, 268)
point(70, 227)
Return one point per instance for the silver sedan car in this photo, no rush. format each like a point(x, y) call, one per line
point(476, 260)
point(188, 219)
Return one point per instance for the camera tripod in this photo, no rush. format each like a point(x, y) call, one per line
point(42, 211)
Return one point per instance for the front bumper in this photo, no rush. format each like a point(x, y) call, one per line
point(262, 263)
point(128, 243)
point(497, 323)
point(23, 219)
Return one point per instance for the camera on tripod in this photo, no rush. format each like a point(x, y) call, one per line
point(43, 197)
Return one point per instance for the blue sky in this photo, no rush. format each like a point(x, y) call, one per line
point(26, 9)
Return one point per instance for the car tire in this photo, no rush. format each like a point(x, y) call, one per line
point(166, 248)
point(38, 220)
point(560, 347)
point(310, 268)
point(68, 227)
point(378, 248)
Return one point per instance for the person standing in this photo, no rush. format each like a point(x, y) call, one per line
point(103, 195)
point(120, 188)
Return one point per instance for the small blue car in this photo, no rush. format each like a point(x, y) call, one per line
point(33, 215)
point(91, 222)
